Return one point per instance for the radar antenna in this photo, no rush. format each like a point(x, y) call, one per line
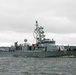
point(39, 33)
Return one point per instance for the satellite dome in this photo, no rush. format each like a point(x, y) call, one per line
point(25, 40)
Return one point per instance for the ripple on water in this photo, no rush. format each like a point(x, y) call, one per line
point(37, 66)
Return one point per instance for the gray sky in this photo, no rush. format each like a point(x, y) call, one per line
point(17, 20)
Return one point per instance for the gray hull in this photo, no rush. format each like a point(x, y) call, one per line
point(38, 53)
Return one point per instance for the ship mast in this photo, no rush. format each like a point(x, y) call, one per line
point(39, 33)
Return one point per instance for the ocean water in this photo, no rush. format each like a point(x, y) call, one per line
point(37, 66)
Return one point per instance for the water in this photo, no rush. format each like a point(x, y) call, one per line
point(37, 66)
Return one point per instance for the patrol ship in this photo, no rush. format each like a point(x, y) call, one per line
point(43, 47)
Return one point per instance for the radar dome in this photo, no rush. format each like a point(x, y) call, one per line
point(25, 40)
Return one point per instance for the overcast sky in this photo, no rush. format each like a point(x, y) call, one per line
point(17, 20)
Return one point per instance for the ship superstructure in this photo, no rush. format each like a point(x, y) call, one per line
point(48, 44)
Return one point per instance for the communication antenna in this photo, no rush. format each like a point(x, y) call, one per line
point(39, 33)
